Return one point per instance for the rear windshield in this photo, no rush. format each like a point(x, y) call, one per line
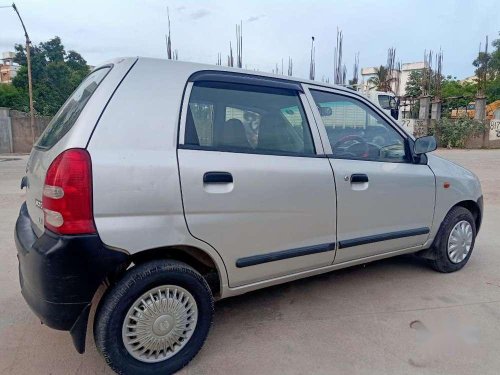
point(66, 117)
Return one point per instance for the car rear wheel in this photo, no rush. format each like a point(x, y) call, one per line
point(155, 319)
point(454, 241)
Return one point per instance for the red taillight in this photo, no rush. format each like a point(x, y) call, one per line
point(67, 194)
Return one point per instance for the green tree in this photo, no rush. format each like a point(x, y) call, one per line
point(493, 89)
point(56, 74)
point(382, 79)
point(456, 94)
point(492, 86)
point(414, 84)
point(10, 96)
point(482, 64)
point(54, 50)
point(487, 71)
point(494, 63)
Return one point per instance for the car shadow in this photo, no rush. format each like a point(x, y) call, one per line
point(362, 275)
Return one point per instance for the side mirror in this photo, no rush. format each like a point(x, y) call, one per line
point(424, 145)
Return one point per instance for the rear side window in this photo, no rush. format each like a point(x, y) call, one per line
point(66, 117)
point(247, 119)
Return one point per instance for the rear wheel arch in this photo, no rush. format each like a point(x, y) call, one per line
point(151, 281)
point(197, 258)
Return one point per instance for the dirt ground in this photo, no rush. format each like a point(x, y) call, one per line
point(394, 316)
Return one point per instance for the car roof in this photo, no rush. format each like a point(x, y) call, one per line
point(197, 67)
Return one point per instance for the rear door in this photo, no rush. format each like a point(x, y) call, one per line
point(254, 184)
point(385, 202)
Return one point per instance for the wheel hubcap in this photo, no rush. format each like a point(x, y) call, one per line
point(159, 323)
point(460, 241)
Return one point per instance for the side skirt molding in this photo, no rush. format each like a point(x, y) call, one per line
point(284, 254)
point(382, 237)
point(308, 250)
point(230, 292)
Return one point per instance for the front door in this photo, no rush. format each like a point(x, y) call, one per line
point(253, 185)
point(385, 202)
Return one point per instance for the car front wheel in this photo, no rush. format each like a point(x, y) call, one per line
point(155, 319)
point(454, 241)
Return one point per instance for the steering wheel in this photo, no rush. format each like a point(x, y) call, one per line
point(353, 137)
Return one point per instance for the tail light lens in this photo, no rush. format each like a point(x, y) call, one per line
point(67, 194)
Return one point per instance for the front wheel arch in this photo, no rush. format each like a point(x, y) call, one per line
point(472, 207)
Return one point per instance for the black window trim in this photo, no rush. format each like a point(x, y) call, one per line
point(248, 80)
point(378, 111)
point(236, 150)
point(245, 79)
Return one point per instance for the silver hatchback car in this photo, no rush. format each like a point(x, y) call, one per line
point(175, 184)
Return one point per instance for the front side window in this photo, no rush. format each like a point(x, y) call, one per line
point(66, 117)
point(355, 131)
point(243, 118)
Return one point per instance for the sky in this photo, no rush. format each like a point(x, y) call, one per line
point(272, 30)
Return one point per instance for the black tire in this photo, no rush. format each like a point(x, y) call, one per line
point(441, 261)
point(118, 299)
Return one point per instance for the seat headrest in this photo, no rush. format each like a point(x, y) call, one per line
point(270, 136)
point(233, 134)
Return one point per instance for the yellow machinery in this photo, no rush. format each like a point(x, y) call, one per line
point(470, 111)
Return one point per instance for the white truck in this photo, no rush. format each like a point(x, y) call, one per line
point(386, 100)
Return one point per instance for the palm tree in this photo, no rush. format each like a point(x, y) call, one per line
point(382, 79)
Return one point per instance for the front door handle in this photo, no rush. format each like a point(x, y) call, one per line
point(358, 178)
point(217, 178)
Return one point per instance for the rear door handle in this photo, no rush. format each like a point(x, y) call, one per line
point(217, 178)
point(358, 178)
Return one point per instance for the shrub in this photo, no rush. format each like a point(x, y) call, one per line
point(455, 133)
point(10, 97)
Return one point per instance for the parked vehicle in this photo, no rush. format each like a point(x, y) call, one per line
point(176, 184)
point(387, 100)
point(470, 111)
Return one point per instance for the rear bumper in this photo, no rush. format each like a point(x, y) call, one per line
point(59, 275)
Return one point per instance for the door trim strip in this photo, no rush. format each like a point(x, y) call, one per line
point(382, 237)
point(283, 254)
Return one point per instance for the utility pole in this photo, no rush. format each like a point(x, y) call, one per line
point(30, 84)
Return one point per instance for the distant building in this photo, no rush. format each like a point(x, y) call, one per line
point(8, 69)
point(401, 77)
point(471, 79)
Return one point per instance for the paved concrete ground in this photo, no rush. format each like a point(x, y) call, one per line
point(389, 317)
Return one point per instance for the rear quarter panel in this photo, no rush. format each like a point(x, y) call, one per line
point(137, 197)
point(77, 137)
